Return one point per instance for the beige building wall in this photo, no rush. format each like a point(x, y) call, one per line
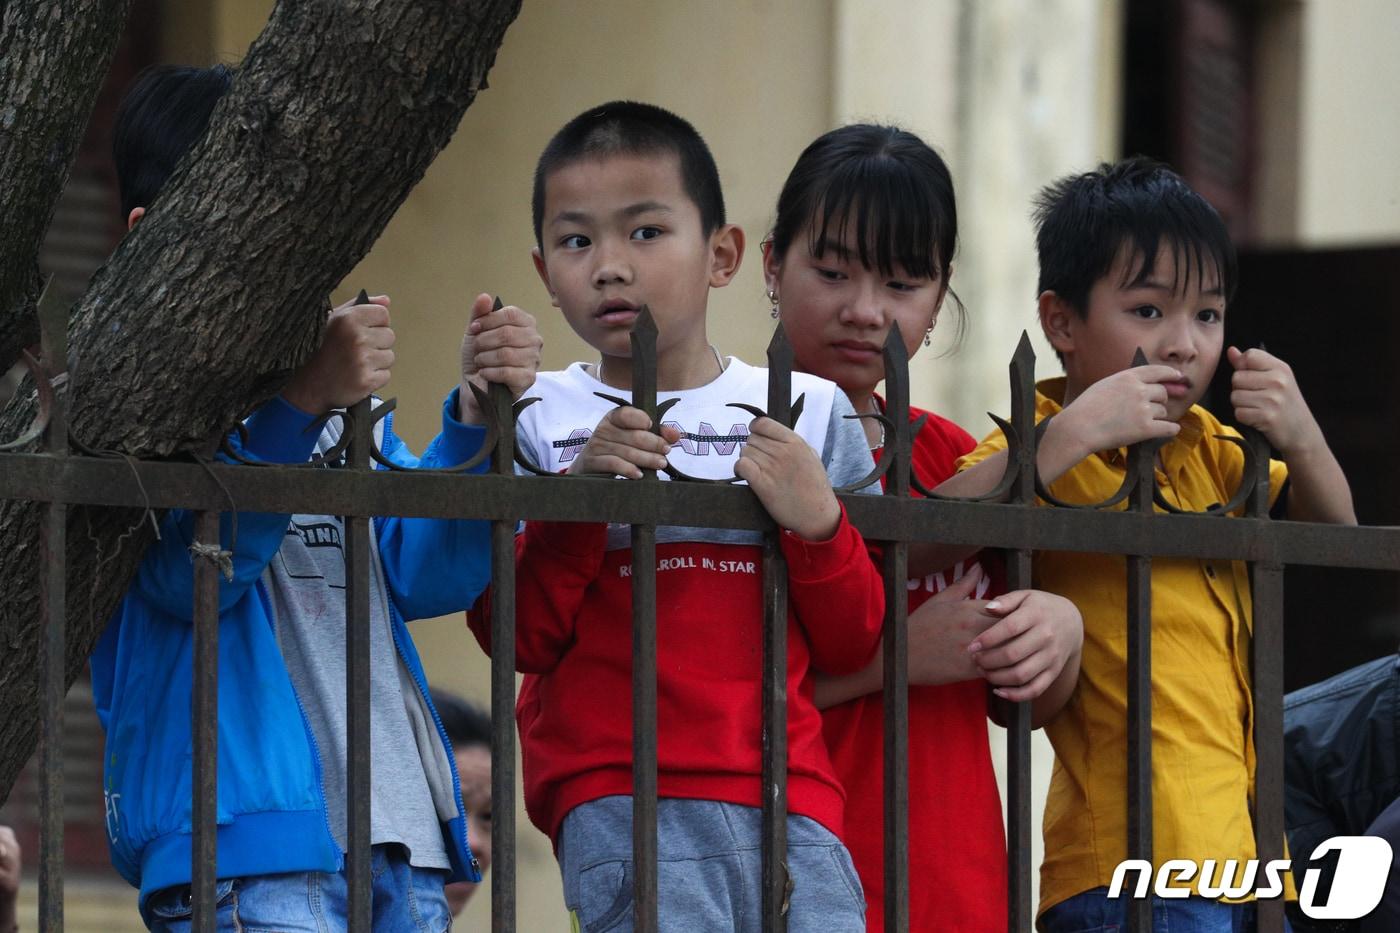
point(1350, 176)
point(1328, 91)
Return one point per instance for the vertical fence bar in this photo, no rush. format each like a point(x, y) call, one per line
point(1020, 913)
point(895, 572)
point(775, 655)
point(1266, 649)
point(644, 908)
point(204, 713)
point(503, 675)
point(1141, 464)
point(357, 679)
point(53, 611)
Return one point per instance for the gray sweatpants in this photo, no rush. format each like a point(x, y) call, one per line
point(709, 870)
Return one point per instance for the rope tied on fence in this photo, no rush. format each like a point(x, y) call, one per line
point(218, 556)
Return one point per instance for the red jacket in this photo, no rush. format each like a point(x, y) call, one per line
point(574, 639)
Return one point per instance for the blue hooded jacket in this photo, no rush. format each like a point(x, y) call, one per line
point(271, 810)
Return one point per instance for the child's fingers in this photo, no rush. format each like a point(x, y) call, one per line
point(367, 316)
point(1038, 685)
point(1010, 640)
point(517, 357)
point(1257, 380)
point(750, 472)
point(610, 466)
point(961, 588)
point(481, 306)
point(1007, 603)
point(769, 429)
point(671, 433)
point(641, 441)
point(1155, 374)
point(626, 417)
point(759, 443)
point(1018, 674)
point(509, 316)
point(761, 458)
point(498, 335)
point(1255, 359)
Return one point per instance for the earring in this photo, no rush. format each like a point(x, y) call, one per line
point(928, 336)
point(773, 298)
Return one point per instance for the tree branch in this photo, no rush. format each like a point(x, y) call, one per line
point(220, 291)
point(55, 56)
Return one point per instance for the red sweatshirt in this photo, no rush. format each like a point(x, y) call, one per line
point(574, 618)
point(957, 846)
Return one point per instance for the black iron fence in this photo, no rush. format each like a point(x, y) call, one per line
point(1008, 518)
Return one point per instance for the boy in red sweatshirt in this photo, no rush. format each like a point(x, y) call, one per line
point(628, 211)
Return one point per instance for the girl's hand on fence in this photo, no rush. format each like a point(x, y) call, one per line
point(941, 629)
point(623, 445)
point(789, 479)
point(1023, 653)
point(498, 346)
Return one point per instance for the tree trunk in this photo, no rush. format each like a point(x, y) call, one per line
point(53, 56)
point(220, 291)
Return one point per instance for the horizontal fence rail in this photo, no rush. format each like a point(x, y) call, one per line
point(344, 482)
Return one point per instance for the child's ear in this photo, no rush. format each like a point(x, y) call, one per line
point(726, 254)
point(136, 214)
point(942, 294)
point(771, 265)
point(543, 271)
point(1057, 321)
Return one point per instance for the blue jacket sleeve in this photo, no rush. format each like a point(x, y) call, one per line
point(277, 433)
point(435, 566)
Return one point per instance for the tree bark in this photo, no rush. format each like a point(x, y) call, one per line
point(53, 56)
point(220, 291)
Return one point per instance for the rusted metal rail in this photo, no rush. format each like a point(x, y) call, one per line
point(58, 479)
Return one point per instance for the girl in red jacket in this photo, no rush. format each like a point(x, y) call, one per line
point(865, 234)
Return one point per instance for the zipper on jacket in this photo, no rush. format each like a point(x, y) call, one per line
point(396, 623)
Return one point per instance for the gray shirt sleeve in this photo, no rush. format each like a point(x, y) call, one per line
point(846, 454)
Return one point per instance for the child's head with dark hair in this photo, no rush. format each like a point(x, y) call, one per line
point(628, 212)
point(877, 189)
point(866, 230)
point(464, 723)
point(624, 127)
point(1083, 223)
point(1131, 258)
point(162, 116)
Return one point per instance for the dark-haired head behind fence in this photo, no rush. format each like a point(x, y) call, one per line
point(1132, 259)
point(283, 801)
point(864, 240)
point(629, 213)
point(469, 730)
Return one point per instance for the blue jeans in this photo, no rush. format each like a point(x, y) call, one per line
point(1094, 912)
point(406, 900)
point(709, 870)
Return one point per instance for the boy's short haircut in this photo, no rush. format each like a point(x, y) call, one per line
point(162, 116)
point(465, 723)
point(624, 127)
point(1083, 222)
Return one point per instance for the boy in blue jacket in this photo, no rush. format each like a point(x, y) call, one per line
point(282, 632)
